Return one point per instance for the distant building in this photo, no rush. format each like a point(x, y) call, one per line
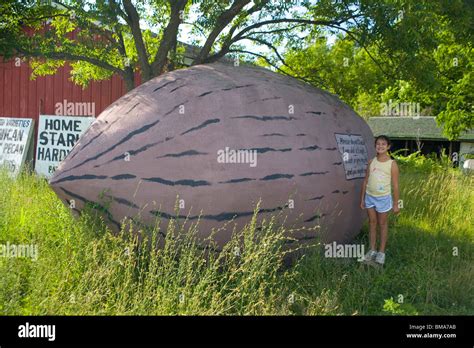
point(421, 133)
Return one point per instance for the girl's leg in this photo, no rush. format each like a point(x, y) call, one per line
point(382, 219)
point(372, 227)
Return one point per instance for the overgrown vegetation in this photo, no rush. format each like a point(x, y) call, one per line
point(82, 269)
point(430, 77)
point(386, 50)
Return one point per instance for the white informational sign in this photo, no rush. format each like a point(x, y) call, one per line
point(465, 150)
point(57, 135)
point(15, 138)
point(354, 154)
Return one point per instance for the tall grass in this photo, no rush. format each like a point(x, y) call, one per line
point(83, 269)
point(430, 252)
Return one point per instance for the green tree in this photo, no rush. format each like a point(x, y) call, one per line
point(386, 49)
point(424, 55)
point(105, 37)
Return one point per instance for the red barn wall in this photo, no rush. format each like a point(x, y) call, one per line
point(25, 98)
point(22, 97)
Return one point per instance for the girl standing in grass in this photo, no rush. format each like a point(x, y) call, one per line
point(376, 197)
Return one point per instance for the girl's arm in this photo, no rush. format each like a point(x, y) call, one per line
point(396, 193)
point(364, 186)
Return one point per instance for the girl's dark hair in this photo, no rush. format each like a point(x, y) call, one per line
point(383, 137)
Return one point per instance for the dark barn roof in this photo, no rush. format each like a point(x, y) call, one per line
point(423, 127)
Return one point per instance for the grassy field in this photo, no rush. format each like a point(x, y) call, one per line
point(82, 269)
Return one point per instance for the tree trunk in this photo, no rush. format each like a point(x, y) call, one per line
point(134, 22)
point(222, 21)
point(169, 37)
point(129, 79)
